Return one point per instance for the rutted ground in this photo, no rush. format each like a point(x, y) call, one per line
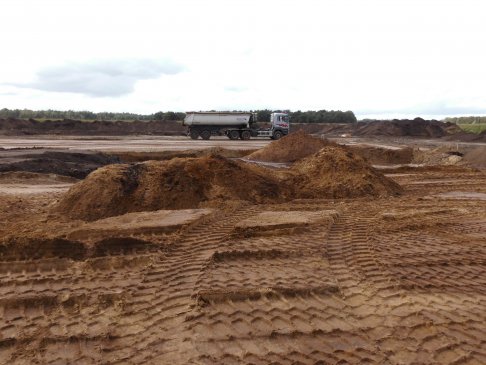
point(399, 280)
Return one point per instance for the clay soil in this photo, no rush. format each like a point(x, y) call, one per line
point(371, 279)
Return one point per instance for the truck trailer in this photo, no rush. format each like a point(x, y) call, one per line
point(234, 125)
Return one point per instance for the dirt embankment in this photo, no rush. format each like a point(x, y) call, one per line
point(22, 127)
point(73, 164)
point(417, 127)
point(181, 183)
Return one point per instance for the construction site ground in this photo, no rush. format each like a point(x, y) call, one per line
point(393, 280)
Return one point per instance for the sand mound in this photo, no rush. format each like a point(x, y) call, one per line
point(442, 155)
point(335, 172)
point(184, 183)
point(180, 183)
point(290, 148)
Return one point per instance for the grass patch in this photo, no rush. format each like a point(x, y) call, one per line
point(473, 128)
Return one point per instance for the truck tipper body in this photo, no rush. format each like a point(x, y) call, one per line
point(234, 125)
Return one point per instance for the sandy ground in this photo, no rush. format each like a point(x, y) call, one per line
point(181, 143)
point(131, 143)
point(382, 281)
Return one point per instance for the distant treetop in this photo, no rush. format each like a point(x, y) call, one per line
point(320, 116)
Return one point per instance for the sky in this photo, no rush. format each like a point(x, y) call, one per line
point(378, 58)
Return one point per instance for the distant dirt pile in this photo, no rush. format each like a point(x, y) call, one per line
point(179, 183)
point(22, 177)
point(74, 164)
point(417, 127)
point(290, 148)
point(22, 127)
point(335, 172)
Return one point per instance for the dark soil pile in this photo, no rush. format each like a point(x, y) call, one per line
point(22, 177)
point(179, 183)
point(335, 172)
point(290, 148)
point(77, 165)
point(417, 127)
point(22, 127)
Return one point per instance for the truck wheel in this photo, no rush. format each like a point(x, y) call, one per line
point(245, 135)
point(277, 135)
point(205, 134)
point(233, 135)
point(194, 134)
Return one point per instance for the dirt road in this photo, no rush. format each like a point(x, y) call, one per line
point(131, 143)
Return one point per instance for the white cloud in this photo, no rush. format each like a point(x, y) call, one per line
point(376, 57)
point(108, 77)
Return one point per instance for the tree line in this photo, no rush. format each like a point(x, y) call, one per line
point(311, 116)
point(320, 116)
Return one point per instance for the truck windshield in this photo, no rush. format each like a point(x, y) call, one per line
point(285, 118)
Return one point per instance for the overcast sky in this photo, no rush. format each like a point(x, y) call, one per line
point(379, 58)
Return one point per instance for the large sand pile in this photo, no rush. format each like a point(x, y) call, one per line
point(290, 148)
point(180, 183)
point(335, 172)
point(183, 183)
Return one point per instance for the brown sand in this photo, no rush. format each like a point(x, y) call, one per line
point(335, 172)
point(175, 184)
point(290, 148)
point(399, 281)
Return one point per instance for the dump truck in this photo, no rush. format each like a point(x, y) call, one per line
point(234, 125)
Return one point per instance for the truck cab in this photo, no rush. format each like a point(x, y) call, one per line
point(279, 126)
